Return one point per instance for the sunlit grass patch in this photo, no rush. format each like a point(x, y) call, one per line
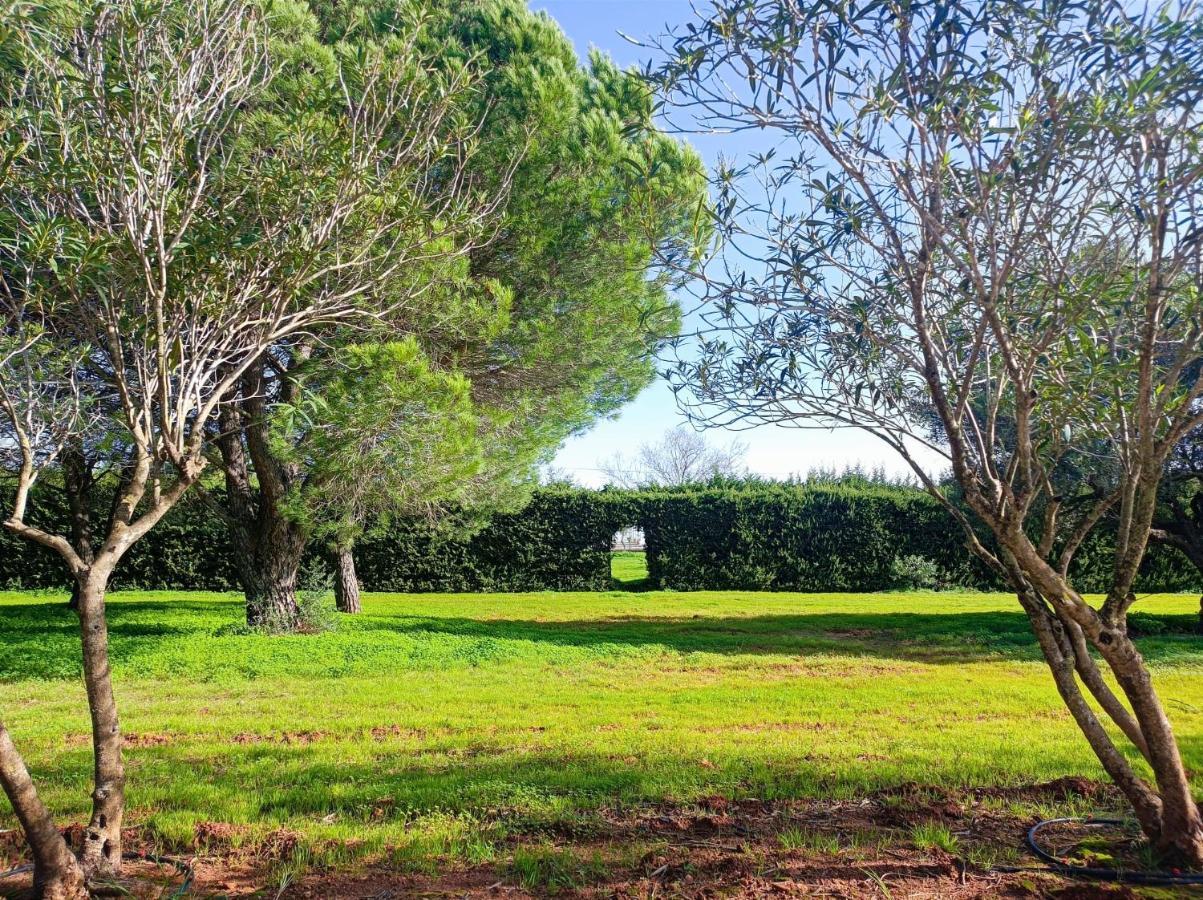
point(544, 867)
point(441, 729)
point(934, 836)
point(628, 568)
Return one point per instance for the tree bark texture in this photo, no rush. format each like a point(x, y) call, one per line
point(101, 853)
point(268, 561)
point(57, 874)
point(346, 582)
point(1166, 810)
point(77, 482)
point(268, 545)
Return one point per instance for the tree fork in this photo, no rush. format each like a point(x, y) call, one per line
point(1145, 802)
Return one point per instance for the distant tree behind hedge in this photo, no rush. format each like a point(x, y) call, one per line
point(681, 457)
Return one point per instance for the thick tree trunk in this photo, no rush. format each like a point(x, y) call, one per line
point(57, 874)
point(1181, 835)
point(346, 583)
point(268, 564)
point(268, 546)
point(101, 853)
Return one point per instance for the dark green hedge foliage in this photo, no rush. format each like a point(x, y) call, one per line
point(559, 542)
point(791, 538)
point(839, 537)
point(740, 536)
point(189, 549)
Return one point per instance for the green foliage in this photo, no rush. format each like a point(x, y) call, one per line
point(917, 573)
point(528, 336)
point(316, 610)
point(840, 536)
point(852, 536)
point(560, 541)
point(188, 549)
point(837, 537)
point(385, 431)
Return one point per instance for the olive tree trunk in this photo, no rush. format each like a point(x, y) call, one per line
point(57, 874)
point(101, 852)
point(346, 582)
point(1069, 632)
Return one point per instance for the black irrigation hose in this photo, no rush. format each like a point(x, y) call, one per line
point(184, 868)
point(1124, 876)
point(1158, 879)
point(19, 870)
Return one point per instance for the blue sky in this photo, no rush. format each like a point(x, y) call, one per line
point(772, 450)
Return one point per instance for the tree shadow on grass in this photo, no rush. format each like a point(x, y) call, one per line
point(952, 638)
point(40, 640)
point(547, 785)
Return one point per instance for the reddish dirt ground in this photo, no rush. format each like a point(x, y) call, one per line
point(710, 849)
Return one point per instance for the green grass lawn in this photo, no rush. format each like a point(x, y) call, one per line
point(430, 728)
point(628, 568)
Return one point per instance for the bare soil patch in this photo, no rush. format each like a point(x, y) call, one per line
point(713, 848)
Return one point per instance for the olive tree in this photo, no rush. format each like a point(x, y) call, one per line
point(987, 212)
point(154, 241)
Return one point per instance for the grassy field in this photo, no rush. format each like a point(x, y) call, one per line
point(430, 729)
point(628, 568)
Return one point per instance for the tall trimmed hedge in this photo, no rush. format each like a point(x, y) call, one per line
point(743, 536)
point(559, 542)
point(795, 538)
point(188, 550)
point(839, 537)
